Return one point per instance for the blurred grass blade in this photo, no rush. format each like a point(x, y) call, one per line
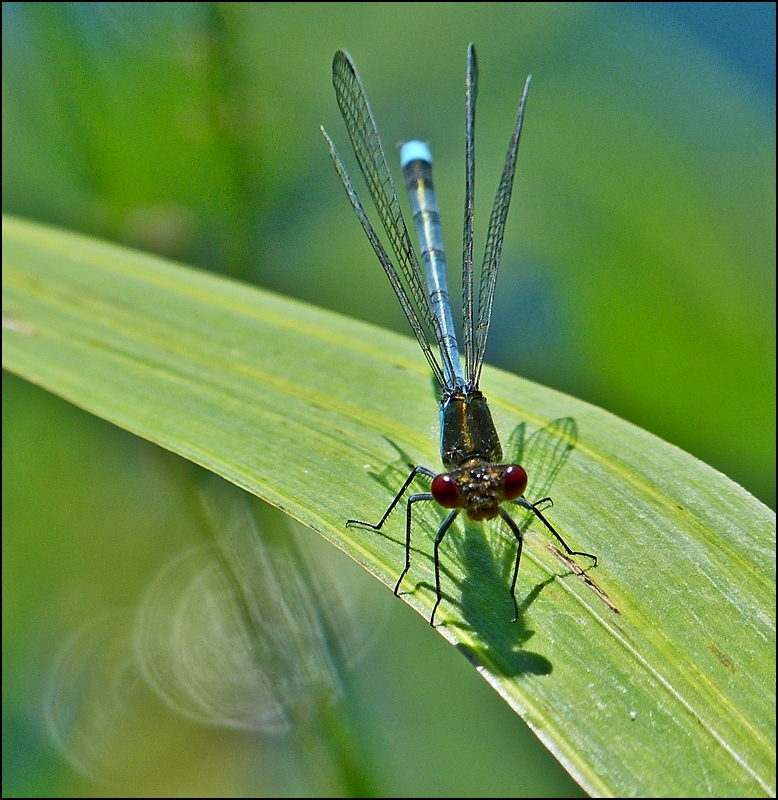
point(240, 631)
point(236, 633)
point(672, 696)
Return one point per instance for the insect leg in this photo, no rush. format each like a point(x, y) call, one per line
point(418, 470)
point(517, 532)
point(438, 539)
point(524, 503)
point(414, 498)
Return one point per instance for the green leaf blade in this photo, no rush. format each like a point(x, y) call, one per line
point(673, 695)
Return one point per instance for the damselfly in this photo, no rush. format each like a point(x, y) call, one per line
point(474, 479)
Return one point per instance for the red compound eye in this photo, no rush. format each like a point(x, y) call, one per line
point(514, 482)
point(446, 491)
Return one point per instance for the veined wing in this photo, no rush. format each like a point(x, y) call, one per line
point(543, 454)
point(468, 321)
point(493, 249)
point(408, 283)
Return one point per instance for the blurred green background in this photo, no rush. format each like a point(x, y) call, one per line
point(638, 273)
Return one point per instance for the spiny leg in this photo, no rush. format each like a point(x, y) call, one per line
point(438, 539)
point(517, 532)
point(414, 498)
point(524, 503)
point(541, 504)
point(418, 470)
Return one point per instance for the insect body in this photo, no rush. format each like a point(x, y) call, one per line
point(475, 480)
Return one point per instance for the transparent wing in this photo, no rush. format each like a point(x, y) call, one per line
point(543, 454)
point(471, 92)
point(386, 262)
point(409, 283)
point(494, 239)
